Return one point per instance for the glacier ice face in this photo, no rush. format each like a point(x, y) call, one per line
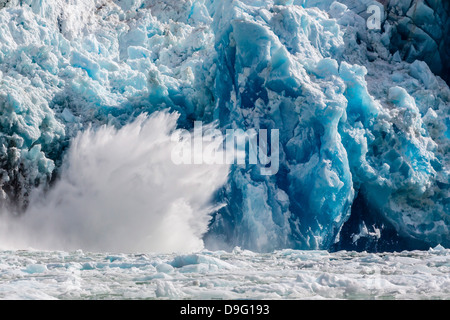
point(406, 150)
point(327, 110)
point(266, 83)
point(364, 124)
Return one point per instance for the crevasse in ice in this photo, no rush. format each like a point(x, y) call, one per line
point(363, 114)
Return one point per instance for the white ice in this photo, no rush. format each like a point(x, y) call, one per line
point(240, 274)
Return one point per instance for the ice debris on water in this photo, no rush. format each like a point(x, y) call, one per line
point(287, 274)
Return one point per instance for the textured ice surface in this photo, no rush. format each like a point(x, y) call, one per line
point(240, 274)
point(354, 123)
point(360, 119)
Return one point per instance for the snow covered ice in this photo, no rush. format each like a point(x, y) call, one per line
point(91, 92)
point(239, 274)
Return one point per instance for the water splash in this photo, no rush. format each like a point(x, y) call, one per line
point(119, 191)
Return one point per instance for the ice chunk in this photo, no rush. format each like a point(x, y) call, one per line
point(422, 72)
point(337, 9)
point(165, 289)
point(326, 67)
point(195, 259)
point(35, 268)
point(164, 268)
point(438, 248)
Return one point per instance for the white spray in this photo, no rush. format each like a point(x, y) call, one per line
point(120, 192)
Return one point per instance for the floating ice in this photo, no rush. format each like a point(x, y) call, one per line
point(286, 274)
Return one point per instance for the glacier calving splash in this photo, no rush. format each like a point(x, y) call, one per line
point(363, 114)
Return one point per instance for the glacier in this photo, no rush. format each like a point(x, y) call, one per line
point(363, 114)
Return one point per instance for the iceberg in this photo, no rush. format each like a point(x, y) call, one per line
point(362, 113)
